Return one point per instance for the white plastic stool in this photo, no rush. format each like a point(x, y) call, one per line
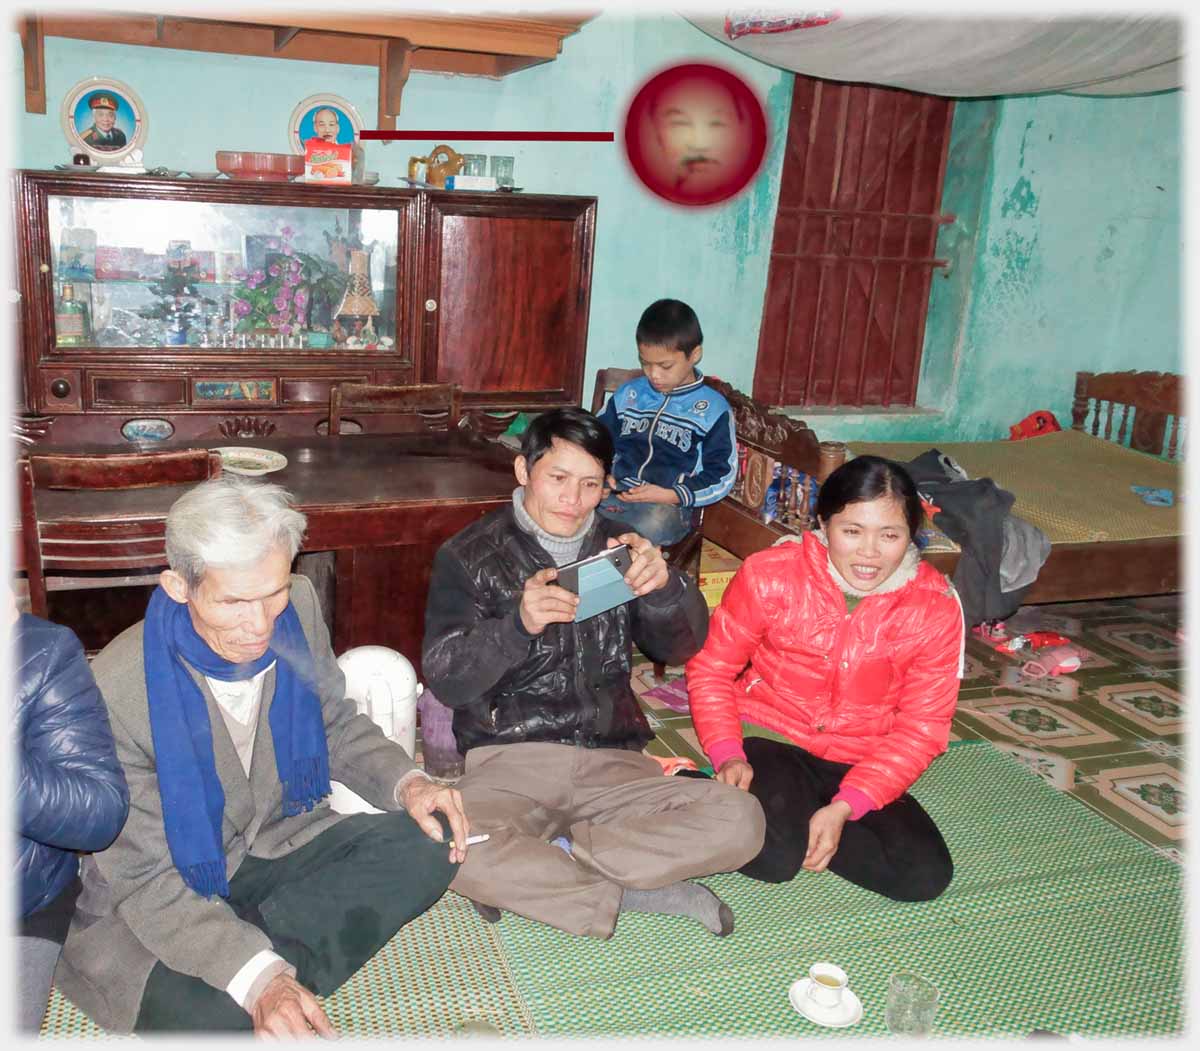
point(383, 685)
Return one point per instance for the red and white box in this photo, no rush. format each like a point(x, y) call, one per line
point(332, 163)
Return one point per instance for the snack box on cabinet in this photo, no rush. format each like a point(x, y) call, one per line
point(332, 163)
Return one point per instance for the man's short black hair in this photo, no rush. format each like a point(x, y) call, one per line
point(576, 426)
point(670, 323)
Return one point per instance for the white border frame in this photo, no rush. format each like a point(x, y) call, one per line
point(74, 136)
point(314, 102)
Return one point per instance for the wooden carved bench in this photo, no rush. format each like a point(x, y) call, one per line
point(745, 521)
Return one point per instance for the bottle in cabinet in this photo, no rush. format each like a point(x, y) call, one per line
point(70, 319)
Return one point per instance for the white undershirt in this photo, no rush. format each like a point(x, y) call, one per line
point(239, 703)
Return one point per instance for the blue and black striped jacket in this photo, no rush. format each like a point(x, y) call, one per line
point(683, 440)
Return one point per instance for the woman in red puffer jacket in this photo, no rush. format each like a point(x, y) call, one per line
point(827, 685)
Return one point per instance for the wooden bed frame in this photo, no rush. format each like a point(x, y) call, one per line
point(1074, 572)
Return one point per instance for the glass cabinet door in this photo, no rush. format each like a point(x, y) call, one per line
point(138, 273)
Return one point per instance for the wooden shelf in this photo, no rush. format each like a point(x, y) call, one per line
point(473, 46)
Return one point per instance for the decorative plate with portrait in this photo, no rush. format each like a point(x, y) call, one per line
point(104, 118)
point(328, 117)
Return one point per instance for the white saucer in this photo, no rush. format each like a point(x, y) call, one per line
point(241, 459)
point(847, 1013)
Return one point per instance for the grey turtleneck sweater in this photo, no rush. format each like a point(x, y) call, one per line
point(563, 549)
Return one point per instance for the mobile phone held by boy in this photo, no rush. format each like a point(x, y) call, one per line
point(674, 436)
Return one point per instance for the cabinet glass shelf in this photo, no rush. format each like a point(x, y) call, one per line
point(208, 274)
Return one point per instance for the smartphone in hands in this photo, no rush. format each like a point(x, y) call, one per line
point(599, 581)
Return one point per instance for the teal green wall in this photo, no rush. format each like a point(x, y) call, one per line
point(1065, 250)
point(715, 258)
point(1066, 256)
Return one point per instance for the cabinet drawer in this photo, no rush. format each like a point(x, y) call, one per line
point(313, 390)
point(62, 389)
point(110, 390)
point(394, 377)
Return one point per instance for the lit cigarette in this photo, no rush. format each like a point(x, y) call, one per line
point(483, 837)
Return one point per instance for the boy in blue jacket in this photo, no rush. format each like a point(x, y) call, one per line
point(674, 437)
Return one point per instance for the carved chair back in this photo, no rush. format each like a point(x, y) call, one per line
point(419, 407)
point(767, 440)
point(607, 381)
point(82, 552)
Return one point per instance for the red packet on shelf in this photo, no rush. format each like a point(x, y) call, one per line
point(332, 163)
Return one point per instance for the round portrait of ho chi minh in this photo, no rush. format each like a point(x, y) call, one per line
point(695, 134)
point(330, 118)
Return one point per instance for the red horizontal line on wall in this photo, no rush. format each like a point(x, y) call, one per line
point(494, 136)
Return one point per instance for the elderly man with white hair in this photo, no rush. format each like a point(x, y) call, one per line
point(234, 893)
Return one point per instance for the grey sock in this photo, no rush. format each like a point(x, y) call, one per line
point(682, 899)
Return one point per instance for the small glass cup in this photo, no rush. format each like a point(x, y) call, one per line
point(911, 1004)
point(475, 164)
point(502, 170)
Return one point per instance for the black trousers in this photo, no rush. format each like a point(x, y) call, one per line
point(327, 908)
point(896, 851)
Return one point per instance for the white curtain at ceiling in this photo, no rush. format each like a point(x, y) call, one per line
point(966, 56)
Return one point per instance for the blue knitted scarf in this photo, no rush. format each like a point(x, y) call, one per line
point(193, 801)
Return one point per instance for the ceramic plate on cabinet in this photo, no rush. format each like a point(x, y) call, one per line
point(147, 429)
point(237, 459)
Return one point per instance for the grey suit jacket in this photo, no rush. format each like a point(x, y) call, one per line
point(135, 908)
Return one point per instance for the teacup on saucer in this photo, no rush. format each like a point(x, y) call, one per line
point(846, 1013)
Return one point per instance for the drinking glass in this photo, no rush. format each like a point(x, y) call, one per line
point(502, 170)
point(911, 1004)
point(475, 164)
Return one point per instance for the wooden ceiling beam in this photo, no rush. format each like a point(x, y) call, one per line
point(283, 35)
point(489, 47)
point(238, 39)
point(395, 63)
point(534, 37)
point(191, 35)
point(32, 41)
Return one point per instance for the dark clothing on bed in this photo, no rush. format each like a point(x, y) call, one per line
point(973, 512)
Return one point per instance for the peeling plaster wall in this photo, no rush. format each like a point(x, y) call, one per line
point(714, 258)
point(1074, 258)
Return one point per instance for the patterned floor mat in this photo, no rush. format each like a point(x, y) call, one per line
point(445, 974)
point(1055, 921)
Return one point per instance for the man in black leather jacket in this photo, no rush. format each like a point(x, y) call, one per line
point(547, 719)
point(71, 794)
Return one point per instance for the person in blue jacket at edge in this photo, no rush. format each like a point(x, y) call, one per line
point(674, 435)
point(71, 795)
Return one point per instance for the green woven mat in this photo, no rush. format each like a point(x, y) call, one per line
point(1055, 920)
point(443, 974)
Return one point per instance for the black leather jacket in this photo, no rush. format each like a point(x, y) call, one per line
point(72, 793)
point(570, 684)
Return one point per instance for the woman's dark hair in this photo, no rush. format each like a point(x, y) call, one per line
point(669, 323)
point(868, 478)
point(569, 425)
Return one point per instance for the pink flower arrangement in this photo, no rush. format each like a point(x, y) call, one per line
point(276, 297)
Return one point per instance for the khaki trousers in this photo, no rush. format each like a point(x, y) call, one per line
point(629, 826)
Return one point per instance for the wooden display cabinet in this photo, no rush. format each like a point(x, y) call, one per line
point(487, 290)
